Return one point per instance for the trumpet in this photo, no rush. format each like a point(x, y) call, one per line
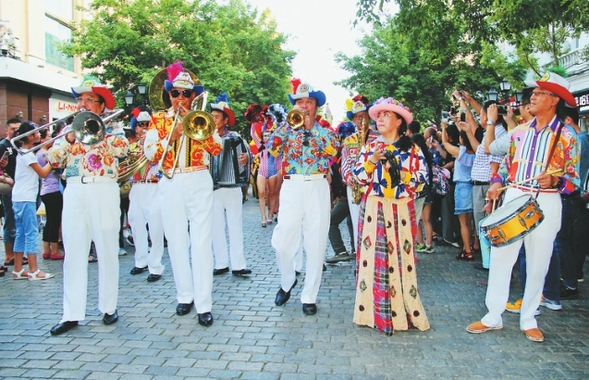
point(296, 118)
point(196, 125)
point(88, 127)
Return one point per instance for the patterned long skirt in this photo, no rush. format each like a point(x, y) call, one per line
point(386, 285)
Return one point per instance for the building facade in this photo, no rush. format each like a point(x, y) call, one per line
point(35, 77)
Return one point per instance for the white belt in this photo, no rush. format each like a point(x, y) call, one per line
point(89, 179)
point(190, 169)
point(300, 177)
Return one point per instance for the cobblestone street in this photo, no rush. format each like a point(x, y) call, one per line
point(252, 338)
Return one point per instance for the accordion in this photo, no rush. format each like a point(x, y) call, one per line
point(225, 168)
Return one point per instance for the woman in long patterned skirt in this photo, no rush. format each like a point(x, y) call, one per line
point(392, 169)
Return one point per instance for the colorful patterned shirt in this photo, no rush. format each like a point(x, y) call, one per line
point(101, 159)
point(376, 178)
point(351, 150)
point(193, 151)
point(529, 150)
point(304, 152)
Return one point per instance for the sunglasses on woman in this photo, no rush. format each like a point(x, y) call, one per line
point(185, 93)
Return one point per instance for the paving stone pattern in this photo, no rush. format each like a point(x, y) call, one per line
point(252, 338)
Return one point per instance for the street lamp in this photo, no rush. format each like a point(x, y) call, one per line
point(492, 95)
point(136, 94)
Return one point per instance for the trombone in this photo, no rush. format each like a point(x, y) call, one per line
point(197, 125)
point(88, 127)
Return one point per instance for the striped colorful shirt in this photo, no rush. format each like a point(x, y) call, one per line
point(351, 150)
point(376, 178)
point(529, 149)
point(304, 152)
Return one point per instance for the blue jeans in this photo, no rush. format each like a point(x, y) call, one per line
point(27, 228)
point(9, 228)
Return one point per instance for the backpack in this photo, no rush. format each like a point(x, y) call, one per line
point(440, 180)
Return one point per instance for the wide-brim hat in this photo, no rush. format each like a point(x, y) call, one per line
point(555, 84)
point(179, 77)
point(390, 104)
point(357, 104)
point(304, 90)
point(223, 106)
point(92, 84)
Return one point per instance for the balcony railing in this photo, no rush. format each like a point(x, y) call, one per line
point(572, 58)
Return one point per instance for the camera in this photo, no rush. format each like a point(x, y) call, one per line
point(462, 116)
point(445, 116)
point(452, 111)
point(502, 110)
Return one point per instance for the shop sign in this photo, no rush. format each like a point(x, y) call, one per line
point(582, 99)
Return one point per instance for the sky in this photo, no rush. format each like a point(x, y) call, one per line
point(317, 30)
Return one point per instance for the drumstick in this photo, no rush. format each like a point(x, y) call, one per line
point(530, 179)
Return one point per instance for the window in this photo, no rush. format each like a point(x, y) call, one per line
point(55, 34)
point(62, 9)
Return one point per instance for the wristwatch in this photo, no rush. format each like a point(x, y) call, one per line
point(490, 122)
point(558, 183)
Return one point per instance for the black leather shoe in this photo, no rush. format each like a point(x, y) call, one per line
point(205, 319)
point(109, 319)
point(184, 308)
point(217, 272)
point(137, 270)
point(62, 327)
point(241, 272)
point(282, 296)
point(309, 308)
point(153, 277)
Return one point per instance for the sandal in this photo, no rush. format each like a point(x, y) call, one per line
point(9, 262)
point(3, 270)
point(463, 255)
point(263, 224)
point(22, 275)
point(46, 255)
point(35, 276)
point(269, 220)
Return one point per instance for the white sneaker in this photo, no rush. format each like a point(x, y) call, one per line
point(122, 252)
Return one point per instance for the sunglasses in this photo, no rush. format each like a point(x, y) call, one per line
point(143, 124)
point(185, 93)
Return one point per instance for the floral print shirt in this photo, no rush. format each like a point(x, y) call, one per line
point(304, 152)
point(351, 150)
point(194, 151)
point(529, 150)
point(376, 178)
point(101, 159)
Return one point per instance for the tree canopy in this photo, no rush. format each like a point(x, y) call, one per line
point(231, 48)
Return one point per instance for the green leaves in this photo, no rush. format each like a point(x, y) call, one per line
point(230, 47)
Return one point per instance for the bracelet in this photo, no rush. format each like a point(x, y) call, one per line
point(369, 160)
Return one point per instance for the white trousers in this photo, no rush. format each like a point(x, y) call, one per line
point(187, 202)
point(304, 207)
point(227, 206)
point(354, 214)
point(145, 209)
point(538, 245)
point(91, 212)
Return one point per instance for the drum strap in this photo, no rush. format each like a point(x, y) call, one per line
point(552, 149)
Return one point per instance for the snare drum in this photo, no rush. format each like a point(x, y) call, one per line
point(512, 221)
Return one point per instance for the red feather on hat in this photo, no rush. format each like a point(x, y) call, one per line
point(136, 112)
point(361, 98)
point(174, 69)
point(295, 83)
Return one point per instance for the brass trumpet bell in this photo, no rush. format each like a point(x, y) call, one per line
point(296, 118)
point(198, 125)
point(88, 128)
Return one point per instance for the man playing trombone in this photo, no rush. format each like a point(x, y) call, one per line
point(186, 190)
point(90, 206)
point(307, 148)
